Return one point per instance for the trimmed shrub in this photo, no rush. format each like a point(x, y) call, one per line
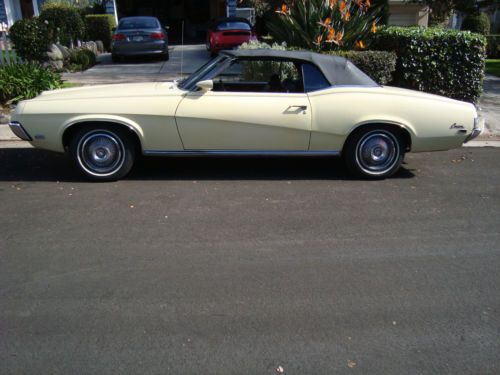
point(439, 61)
point(99, 27)
point(477, 23)
point(379, 65)
point(30, 39)
point(63, 22)
point(81, 59)
point(25, 81)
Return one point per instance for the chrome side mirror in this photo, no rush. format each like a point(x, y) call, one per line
point(205, 86)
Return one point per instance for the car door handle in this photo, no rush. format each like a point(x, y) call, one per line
point(301, 107)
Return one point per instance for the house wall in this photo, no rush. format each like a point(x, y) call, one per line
point(406, 14)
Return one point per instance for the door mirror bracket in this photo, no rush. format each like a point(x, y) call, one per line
point(206, 85)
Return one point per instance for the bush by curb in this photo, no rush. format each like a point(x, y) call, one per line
point(30, 38)
point(64, 22)
point(25, 81)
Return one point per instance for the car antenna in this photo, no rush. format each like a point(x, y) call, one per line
point(182, 49)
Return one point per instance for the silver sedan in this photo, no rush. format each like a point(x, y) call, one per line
point(139, 36)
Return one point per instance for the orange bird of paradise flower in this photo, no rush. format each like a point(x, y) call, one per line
point(319, 39)
point(360, 44)
point(326, 23)
point(338, 38)
point(331, 35)
point(342, 7)
point(332, 3)
point(374, 27)
point(347, 16)
point(368, 4)
point(284, 9)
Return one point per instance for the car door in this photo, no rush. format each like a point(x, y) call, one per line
point(245, 112)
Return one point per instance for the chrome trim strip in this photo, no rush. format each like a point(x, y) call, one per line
point(477, 129)
point(241, 153)
point(19, 131)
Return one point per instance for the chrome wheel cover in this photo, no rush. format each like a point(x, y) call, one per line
point(101, 153)
point(377, 152)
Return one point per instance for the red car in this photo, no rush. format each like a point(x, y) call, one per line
point(228, 33)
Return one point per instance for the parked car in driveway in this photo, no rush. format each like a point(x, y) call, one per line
point(228, 33)
point(139, 36)
point(247, 102)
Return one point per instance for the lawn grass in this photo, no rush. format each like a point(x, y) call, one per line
point(68, 85)
point(493, 67)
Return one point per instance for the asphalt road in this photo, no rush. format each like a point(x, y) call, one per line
point(219, 266)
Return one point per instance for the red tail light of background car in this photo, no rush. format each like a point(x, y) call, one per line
point(159, 36)
point(119, 37)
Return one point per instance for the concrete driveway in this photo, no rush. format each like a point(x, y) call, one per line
point(143, 69)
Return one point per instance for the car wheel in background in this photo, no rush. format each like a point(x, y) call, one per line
point(374, 153)
point(115, 58)
point(103, 153)
point(165, 56)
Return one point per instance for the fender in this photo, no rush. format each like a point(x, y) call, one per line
point(102, 118)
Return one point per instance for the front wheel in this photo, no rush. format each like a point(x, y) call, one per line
point(102, 153)
point(374, 153)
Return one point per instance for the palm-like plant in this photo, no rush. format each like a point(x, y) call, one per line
point(325, 24)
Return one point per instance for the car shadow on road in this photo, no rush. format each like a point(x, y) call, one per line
point(28, 164)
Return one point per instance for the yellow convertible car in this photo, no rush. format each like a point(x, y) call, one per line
point(247, 102)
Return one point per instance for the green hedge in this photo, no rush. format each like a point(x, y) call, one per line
point(30, 38)
point(25, 81)
point(439, 61)
point(99, 27)
point(379, 65)
point(64, 22)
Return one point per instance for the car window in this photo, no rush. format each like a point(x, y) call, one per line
point(136, 23)
point(233, 26)
point(259, 76)
point(313, 78)
point(207, 71)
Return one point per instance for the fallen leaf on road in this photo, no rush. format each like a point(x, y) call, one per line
point(351, 364)
point(280, 370)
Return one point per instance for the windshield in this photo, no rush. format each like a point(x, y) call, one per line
point(207, 71)
point(138, 23)
point(233, 26)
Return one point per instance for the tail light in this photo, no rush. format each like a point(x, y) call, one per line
point(159, 36)
point(119, 37)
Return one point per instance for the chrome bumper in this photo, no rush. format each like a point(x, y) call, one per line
point(477, 129)
point(19, 131)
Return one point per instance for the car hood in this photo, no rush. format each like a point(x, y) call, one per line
point(113, 91)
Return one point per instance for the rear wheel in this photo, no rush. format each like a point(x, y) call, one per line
point(115, 58)
point(165, 56)
point(103, 153)
point(374, 153)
